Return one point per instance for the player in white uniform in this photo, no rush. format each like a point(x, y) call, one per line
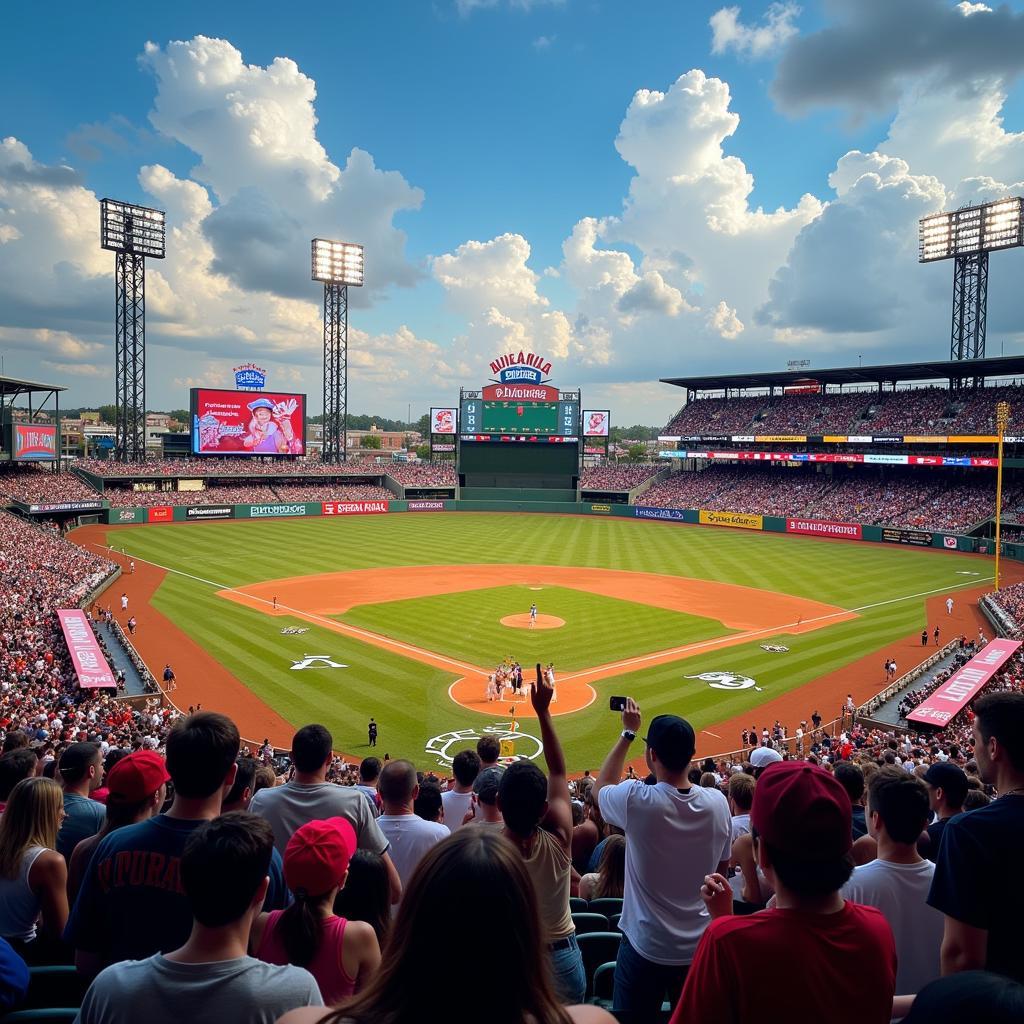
point(533, 616)
point(549, 676)
point(949, 606)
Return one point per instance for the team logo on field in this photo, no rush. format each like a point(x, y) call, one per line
point(448, 744)
point(775, 648)
point(294, 630)
point(727, 681)
point(316, 661)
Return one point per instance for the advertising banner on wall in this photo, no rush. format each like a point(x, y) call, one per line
point(245, 423)
point(159, 514)
point(919, 538)
point(127, 515)
point(354, 508)
point(86, 656)
point(34, 441)
point(274, 511)
point(963, 686)
point(426, 506)
point(740, 520)
point(825, 528)
point(210, 512)
point(68, 506)
point(649, 512)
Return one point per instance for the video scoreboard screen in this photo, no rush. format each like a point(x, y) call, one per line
point(523, 421)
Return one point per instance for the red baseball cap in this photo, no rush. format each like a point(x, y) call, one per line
point(317, 856)
point(801, 809)
point(136, 777)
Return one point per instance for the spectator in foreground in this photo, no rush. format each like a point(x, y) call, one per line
point(408, 835)
point(210, 978)
point(982, 927)
point(947, 790)
point(33, 876)
point(13, 977)
point(369, 773)
point(813, 942)
point(489, 750)
point(310, 797)
point(851, 778)
point(969, 996)
point(130, 905)
point(458, 799)
point(474, 875)
point(676, 834)
point(610, 878)
point(136, 790)
point(538, 822)
point(485, 799)
point(366, 896)
point(897, 882)
point(342, 955)
point(15, 765)
point(81, 774)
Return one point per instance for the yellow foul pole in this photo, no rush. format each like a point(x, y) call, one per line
point(1002, 420)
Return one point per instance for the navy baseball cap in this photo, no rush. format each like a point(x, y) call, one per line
point(671, 738)
point(949, 777)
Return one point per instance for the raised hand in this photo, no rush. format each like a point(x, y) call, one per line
point(631, 715)
point(541, 693)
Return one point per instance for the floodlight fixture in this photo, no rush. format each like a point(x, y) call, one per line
point(967, 236)
point(337, 262)
point(127, 227)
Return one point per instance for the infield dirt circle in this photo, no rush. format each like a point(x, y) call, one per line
point(523, 621)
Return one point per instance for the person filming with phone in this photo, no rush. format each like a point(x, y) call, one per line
point(675, 835)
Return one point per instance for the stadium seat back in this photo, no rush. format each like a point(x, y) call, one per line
point(606, 905)
point(586, 923)
point(577, 905)
point(54, 986)
point(597, 948)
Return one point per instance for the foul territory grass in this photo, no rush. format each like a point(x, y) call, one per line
point(885, 584)
point(597, 629)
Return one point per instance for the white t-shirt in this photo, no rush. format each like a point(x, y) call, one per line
point(673, 839)
point(410, 837)
point(900, 892)
point(456, 806)
point(740, 825)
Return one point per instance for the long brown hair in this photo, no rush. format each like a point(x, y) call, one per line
point(611, 869)
point(476, 875)
point(31, 818)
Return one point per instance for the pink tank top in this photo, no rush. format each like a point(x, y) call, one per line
point(326, 967)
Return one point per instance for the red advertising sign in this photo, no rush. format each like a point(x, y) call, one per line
point(824, 528)
point(248, 423)
point(86, 656)
point(34, 441)
point(159, 514)
point(963, 686)
point(520, 393)
point(354, 508)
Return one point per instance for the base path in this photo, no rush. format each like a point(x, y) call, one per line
point(320, 599)
point(542, 622)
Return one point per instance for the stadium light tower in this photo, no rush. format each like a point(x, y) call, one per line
point(132, 233)
point(337, 265)
point(967, 236)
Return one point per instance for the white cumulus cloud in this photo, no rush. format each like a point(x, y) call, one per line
point(729, 33)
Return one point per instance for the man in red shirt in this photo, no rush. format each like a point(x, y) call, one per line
point(839, 956)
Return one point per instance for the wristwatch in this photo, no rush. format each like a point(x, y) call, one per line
point(628, 735)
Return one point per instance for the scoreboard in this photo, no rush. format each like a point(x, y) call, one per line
point(524, 421)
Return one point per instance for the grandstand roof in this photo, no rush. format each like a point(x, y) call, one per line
point(892, 373)
point(15, 386)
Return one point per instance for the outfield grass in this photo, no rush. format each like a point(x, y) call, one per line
point(597, 629)
point(885, 583)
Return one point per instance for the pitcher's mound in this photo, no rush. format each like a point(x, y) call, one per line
point(523, 621)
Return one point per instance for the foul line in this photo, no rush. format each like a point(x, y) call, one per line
point(666, 655)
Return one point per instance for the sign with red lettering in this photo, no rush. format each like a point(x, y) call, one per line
point(354, 508)
point(86, 656)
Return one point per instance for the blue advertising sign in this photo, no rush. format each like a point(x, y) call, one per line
point(250, 376)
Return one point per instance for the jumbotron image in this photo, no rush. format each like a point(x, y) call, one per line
point(719, 719)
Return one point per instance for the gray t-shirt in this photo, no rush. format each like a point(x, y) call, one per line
point(289, 807)
point(162, 991)
point(84, 818)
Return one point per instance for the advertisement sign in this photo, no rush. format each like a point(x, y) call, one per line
point(919, 538)
point(159, 514)
point(354, 508)
point(740, 520)
point(270, 511)
point(241, 423)
point(781, 438)
point(250, 376)
point(68, 506)
point(34, 441)
point(600, 508)
point(519, 393)
point(129, 515)
point(595, 422)
point(426, 506)
point(949, 542)
point(86, 656)
point(210, 512)
point(442, 447)
point(648, 512)
point(824, 528)
point(963, 686)
point(442, 421)
point(520, 368)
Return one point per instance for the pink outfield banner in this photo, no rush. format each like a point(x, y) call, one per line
point(963, 686)
point(86, 656)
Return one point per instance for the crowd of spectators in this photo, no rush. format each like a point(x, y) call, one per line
point(423, 474)
point(33, 485)
point(903, 498)
point(610, 477)
point(247, 466)
point(910, 410)
point(330, 492)
point(1010, 602)
point(220, 494)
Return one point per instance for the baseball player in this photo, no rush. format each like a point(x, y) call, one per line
point(124, 602)
point(533, 615)
point(949, 606)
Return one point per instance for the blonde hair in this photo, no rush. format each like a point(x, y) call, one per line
point(31, 818)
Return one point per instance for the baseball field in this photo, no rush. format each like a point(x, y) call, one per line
point(400, 618)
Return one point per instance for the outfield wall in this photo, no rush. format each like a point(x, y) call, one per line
point(734, 520)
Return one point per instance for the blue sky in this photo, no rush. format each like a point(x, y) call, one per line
point(520, 125)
